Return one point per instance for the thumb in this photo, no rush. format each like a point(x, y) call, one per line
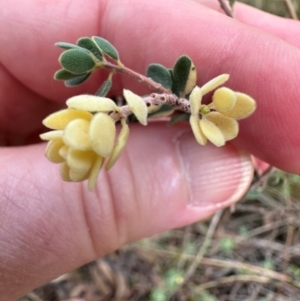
point(163, 180)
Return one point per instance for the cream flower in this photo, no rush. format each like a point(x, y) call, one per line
point(217, 121)
point(83, 137)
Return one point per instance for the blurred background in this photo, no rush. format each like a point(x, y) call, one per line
point(247, 252)
point(277, 7)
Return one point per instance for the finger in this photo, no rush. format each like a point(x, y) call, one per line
point(22, 111)
point(164, 180)
point(260, 65)
point(286, 29)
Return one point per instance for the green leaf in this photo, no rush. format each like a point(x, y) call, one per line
point(184, 76)
point(77, 80)
point(104, 89)
point(77, 61)
point(171, 73)
point(63, 74)
point(106, 47)
point(173, 279)
point(179, 117)
point(160, 74)
point(67, 45)
point(90, 45)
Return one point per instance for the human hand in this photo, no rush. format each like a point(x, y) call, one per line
point(164, 179)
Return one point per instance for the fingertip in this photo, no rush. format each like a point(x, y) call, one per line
point(216, 177)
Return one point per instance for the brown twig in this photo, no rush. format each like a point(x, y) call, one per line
point(291, 9)
point(232, 279)
point(226, 8)
point(156, 100)
point(236, 265)
point(207, 242)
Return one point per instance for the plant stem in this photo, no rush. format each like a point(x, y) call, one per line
point(226, 8)
point(162, 95)
point(291, 9)
point(139, 77)
point(156, 99)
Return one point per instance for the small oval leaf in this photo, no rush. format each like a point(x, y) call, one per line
point(67, 46)
point(77, 61)
point(191, 81)
point(63, 74)
point(160, 74)
point(106, 47)
point(90, 45)
point(184, 76)
point(105, 87)
point(77, 80)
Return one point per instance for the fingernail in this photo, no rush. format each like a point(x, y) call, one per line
point(215, 177)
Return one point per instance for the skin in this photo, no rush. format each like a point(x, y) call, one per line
point(164, 179)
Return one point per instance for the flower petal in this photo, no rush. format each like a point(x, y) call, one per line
point(78, 176)
point(92, 103)
point(120, 145)
point(244, 107)
point(80, 161)
point(214, 83)
point(94, 172)
point(228, 126)
point(60, 119)
point(199, 135)
point(52, 135)
point(52, 151)
point(224, 99)
point(102, 134)
point(195, 100)
point(76, 134)
point(212, 132)
point(64, 172)
point(137, 106)
point(63, 151)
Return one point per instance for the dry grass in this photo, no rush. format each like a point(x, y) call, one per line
point(249, 252)
point(277, 7)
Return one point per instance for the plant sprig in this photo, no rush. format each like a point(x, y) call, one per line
point(83, 136)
